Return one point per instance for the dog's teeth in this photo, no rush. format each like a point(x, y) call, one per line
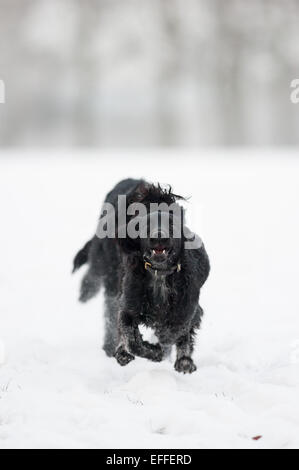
point(164, 251)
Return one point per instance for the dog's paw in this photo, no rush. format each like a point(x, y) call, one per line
point(123, 357)
point(153, 352)
point(185, 365)
point(157, 353)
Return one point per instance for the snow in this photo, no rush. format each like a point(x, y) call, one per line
point(58, 389)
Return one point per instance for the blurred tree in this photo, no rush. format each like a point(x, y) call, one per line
point(148, 72)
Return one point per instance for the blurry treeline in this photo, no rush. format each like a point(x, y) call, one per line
point(148, 72)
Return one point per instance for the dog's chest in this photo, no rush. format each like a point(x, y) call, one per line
point(159, 291)
point(157, 301)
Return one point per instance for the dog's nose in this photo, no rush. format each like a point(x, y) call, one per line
point(158, 234)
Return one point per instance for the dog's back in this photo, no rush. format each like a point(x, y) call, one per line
point(102, 255)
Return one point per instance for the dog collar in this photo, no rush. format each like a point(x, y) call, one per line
point(148, 267)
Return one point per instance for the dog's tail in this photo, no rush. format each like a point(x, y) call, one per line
point(91, 282)
point(82, 256)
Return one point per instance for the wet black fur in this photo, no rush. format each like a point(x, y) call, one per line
point(134, 296)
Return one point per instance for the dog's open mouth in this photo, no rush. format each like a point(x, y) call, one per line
point(160, 250)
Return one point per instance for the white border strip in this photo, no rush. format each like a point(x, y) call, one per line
point(2, 92)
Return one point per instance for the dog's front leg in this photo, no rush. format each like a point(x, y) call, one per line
point(131, 342)
point(184, 345)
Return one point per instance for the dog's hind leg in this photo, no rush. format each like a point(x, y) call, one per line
point(166, 351)
point(111, 331)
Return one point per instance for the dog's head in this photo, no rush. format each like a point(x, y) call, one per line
point(162, 247)
point(155, 229)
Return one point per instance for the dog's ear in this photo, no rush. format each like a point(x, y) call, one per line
point(191, 240)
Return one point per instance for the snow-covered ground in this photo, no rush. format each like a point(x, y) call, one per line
point(57, 388)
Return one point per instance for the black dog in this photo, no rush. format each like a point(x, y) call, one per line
point(152, 280)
